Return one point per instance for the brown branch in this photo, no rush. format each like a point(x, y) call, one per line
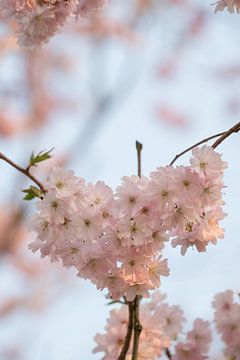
point(136, 302)
point(229, 132)
point(168, 354)
point(24, 171)
point(222, 136)
point(129, 332)
point(193, 146)
point(137, 327)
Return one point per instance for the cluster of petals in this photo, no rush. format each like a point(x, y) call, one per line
point(197, 343)
point(230, 5)
point(227, 320)
point(38, 20)
point(116, 239)
point(161, 325)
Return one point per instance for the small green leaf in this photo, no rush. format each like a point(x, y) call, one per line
point(32, 192)
point(41, 156)
point(115, 302)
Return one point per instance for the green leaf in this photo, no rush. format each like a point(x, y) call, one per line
point(32, 192)
point(41, 156)
point(115, 302)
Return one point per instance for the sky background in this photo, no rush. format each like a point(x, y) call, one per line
point(175, 83)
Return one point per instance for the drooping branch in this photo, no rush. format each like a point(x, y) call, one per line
point(221, 137)
point(128, 337)
point(24, 171)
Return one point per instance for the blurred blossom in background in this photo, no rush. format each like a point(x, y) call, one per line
point(165, 73)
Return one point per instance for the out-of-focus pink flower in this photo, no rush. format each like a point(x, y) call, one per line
point(38, 21)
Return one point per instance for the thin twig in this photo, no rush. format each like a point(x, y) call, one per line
point(129, 332)
point(193, 146)
point(168, 354)
point(137, 327)
point(24, 171)
point(222, 136)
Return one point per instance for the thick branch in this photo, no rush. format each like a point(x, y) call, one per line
point(129, 332)
point(137, 327)
point(229, 132)
point(222, 136)
point(24, 171)
point(168, 354)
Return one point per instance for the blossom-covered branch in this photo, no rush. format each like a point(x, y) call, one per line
point(163, 330)
point(116, 240)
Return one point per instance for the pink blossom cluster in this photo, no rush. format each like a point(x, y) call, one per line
point(230, 5)
point(116, 239)
point(197, 343)
point(227, 320)
point(39, 20)
point(162, 324)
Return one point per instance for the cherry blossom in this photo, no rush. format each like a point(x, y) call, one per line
point(116, 240)
point(227, 320)
point(38, 20)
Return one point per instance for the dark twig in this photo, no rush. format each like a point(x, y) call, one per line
point(222, 136)
point(129, 332)
point(137, 325)
point(193, 146)
point(24, 171)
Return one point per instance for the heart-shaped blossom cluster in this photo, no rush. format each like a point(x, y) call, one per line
point(161, 328)
point(38, 20)
point(227, 320)
point(116, 239)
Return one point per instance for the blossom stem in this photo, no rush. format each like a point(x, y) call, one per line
point(24, 171)
point(137, 327)
point(129, 332)
point(168, 354)
point(222, 136)
point(136, 302)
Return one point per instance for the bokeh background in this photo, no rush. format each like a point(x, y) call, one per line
point(166, 73)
